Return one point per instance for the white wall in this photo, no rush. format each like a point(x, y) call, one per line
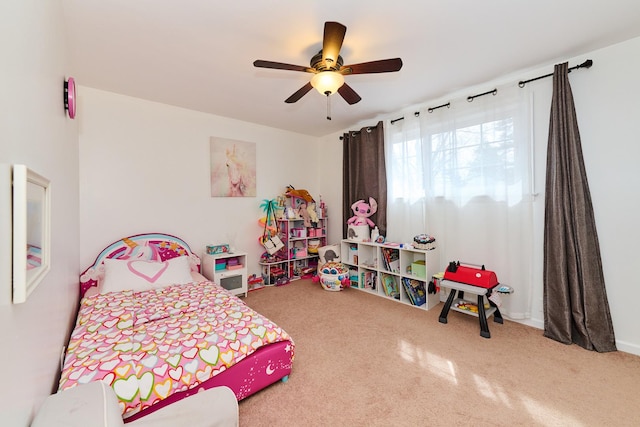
point(145, 168)
point(35, 131)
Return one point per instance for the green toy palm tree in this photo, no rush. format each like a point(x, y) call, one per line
point(267, 207)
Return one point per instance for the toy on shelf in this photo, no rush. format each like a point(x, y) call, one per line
point(424, 242)
point(313, 215)
point(304, 214)
point(359, 223)
point(362, 211)
point(255, 282)
point(302, 194)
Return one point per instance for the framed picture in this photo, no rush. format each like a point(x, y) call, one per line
point(233, 168)
point(31, 231)
point(5, 233)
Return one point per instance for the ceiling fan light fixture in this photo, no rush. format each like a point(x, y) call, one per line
point(327, 82)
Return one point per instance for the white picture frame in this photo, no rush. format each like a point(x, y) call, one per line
point(6, 231)
point(31, 231)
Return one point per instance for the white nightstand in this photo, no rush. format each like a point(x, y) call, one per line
point(232, 278)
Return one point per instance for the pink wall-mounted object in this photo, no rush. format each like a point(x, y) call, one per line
point(70, 97)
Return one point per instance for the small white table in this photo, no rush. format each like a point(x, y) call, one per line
point(482, 314)
point(232, 279)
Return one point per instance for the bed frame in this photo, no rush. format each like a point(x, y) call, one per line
point(267, 365)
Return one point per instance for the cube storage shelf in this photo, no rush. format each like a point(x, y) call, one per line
point(299, 257)
point(386, 270)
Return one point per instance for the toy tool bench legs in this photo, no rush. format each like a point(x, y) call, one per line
point(460, 289)
point(474, 280)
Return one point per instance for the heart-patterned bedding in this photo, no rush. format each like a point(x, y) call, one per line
point(148, 345)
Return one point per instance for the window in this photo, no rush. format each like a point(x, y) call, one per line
point(460, 155)
point(477, 160)
point(462, 174)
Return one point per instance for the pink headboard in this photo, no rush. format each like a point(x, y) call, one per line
point(152, 247)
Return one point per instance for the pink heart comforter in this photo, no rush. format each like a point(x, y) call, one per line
point(147, 345)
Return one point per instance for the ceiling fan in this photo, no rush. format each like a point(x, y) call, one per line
point(328, 69)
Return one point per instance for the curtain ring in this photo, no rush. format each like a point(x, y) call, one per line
point(368, 130)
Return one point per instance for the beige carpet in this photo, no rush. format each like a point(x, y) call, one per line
point(362, 360)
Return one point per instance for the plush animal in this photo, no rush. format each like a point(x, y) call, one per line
point(304, 213)
point(362, 211)
point(303, 194)
point(313, 216)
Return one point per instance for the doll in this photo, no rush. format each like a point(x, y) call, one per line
point(304, 213)
point(362, 211)
point(313, 215)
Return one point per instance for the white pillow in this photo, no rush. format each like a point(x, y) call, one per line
point(141, 275)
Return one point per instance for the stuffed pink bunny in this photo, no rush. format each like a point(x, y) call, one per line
point(362, 211)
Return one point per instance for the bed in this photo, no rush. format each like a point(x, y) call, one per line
point(155, 330)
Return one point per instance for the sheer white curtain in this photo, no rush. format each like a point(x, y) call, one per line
point(462, 174)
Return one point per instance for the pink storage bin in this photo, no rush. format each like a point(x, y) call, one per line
point(299, 232)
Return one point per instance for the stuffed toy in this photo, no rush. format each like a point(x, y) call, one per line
point(304, 213)
point(313, 215)
point(362, 211)
point(302, 194)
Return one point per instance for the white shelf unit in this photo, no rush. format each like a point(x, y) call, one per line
point(295, 259)
point(369, 269)
point(233, 280)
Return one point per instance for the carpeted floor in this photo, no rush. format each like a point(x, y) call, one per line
point(362, 360)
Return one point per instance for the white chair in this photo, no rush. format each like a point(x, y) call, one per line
point(95, 405)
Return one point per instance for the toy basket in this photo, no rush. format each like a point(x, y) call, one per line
point(313, 246)
point(334, 276)
point(424, 242)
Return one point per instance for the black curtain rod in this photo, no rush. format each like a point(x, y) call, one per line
point(586, 64)
point(472, 97)
point(432, 109)
point(355, 132)
point(417, 114)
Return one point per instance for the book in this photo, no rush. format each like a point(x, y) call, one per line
point(406, 285)
point(390, 286)
point(368, 278)
point(391, 259)
point(416, 291)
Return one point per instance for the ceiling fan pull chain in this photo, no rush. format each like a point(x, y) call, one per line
point(328, 106)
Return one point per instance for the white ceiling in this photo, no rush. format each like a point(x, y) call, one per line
point(198, 54)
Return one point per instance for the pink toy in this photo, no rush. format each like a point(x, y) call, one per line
point(304, 213)
point(362, 211)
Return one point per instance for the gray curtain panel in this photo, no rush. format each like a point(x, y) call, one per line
point(576, 309)
point(364, 173)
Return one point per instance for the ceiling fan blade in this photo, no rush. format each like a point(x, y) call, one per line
point(349, 94)
point(332, 42)
point(299, 93)
point(381, 66)
point(281, 66)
